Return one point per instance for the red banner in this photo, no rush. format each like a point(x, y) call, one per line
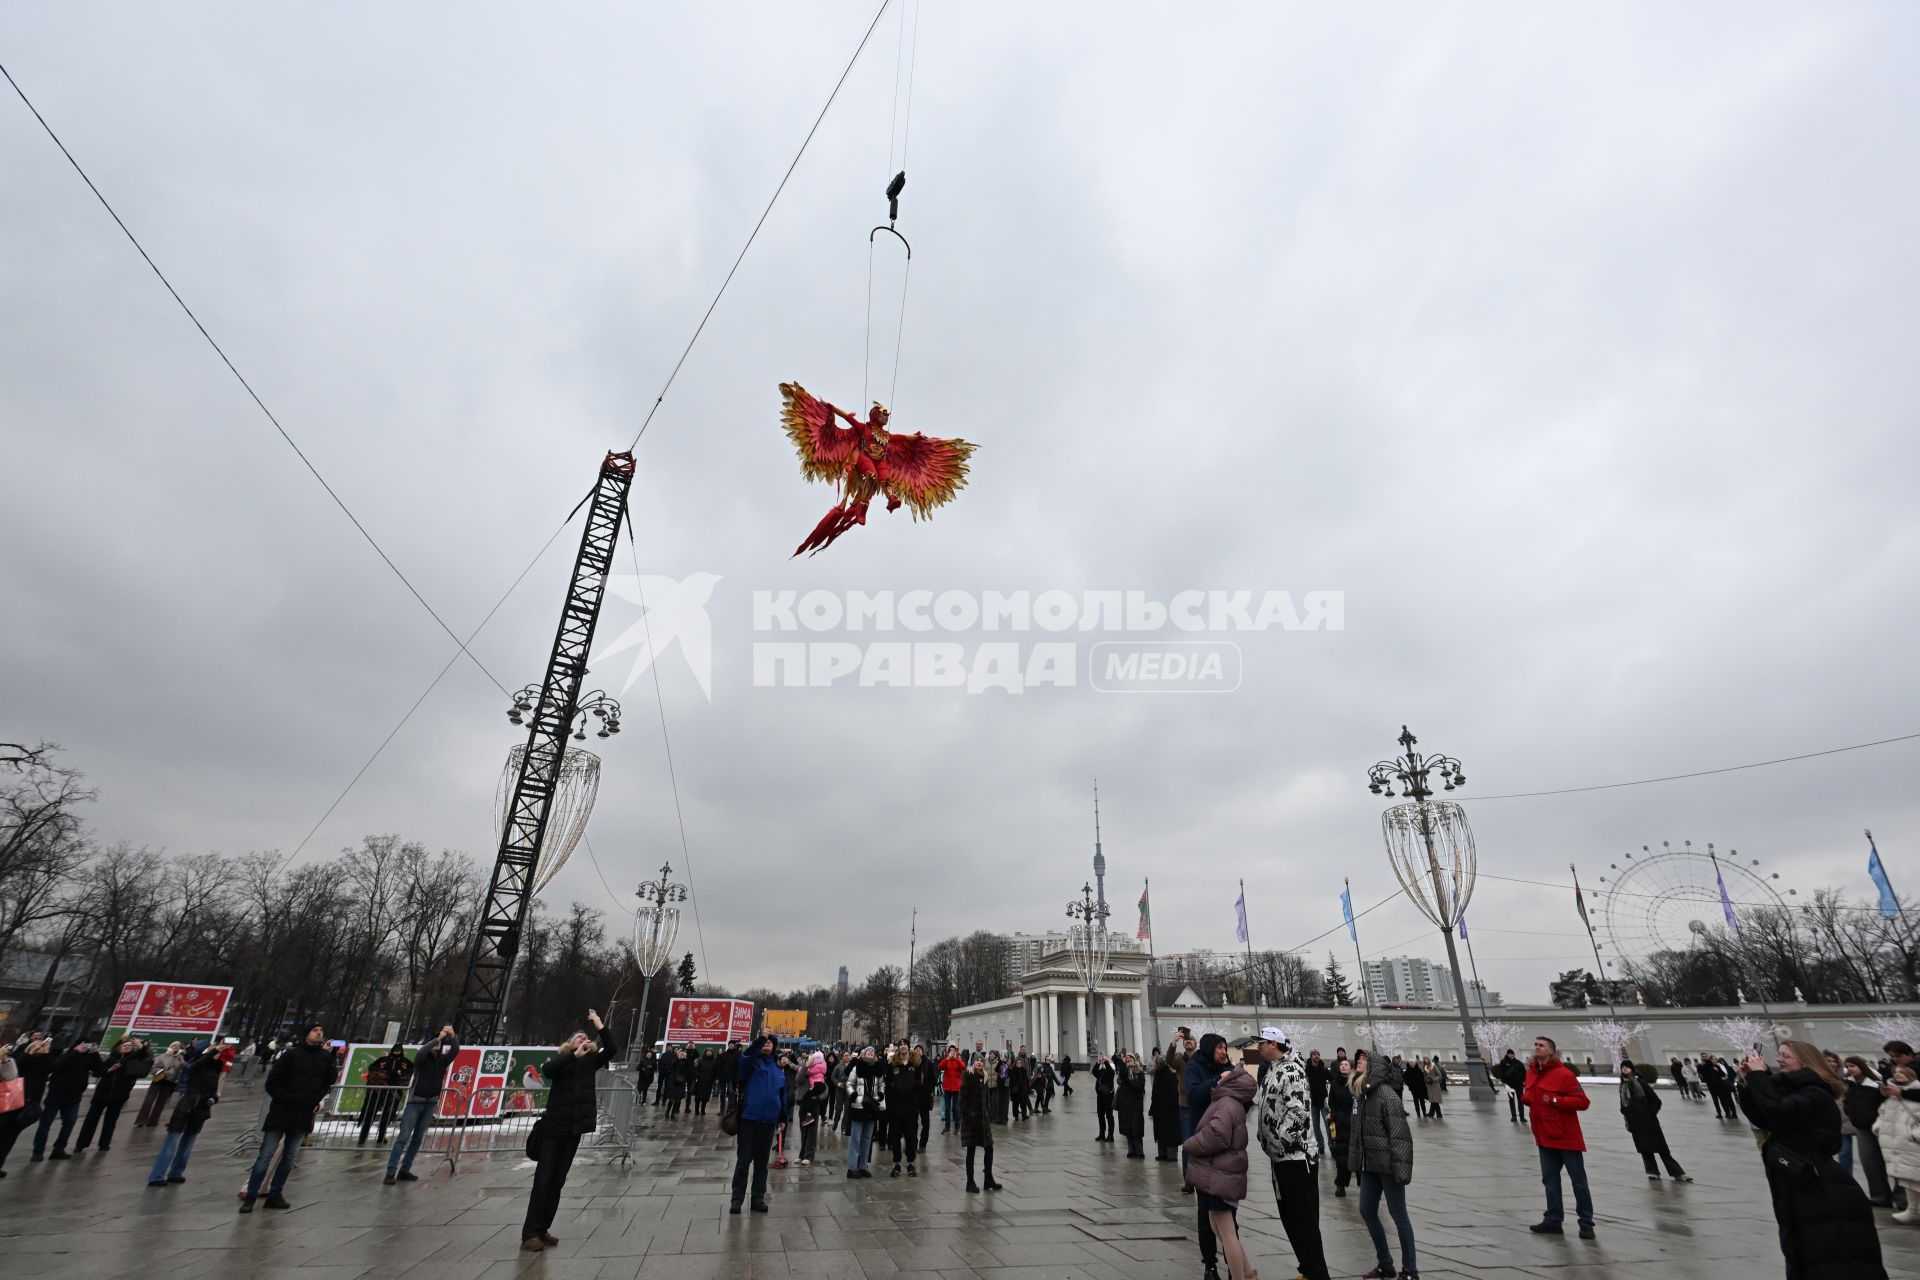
point(185, 1010)
point(708, 1020)
point(128, 1002)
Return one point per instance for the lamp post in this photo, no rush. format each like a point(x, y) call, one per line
point(1417, 836)
point(655, 926)
point(1087, 941)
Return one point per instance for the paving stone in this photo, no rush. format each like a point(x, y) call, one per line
point(1072, 1208)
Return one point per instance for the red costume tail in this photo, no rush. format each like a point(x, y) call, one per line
point(831, 526)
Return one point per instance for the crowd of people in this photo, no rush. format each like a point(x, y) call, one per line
point(1818, 1116)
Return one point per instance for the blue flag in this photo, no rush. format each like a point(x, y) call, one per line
point(1346, 910)
point(1726, 904)
point(1463, 926)
point(1889, 905)
point(1240, 913)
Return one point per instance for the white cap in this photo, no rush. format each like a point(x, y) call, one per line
point(1274, 1034)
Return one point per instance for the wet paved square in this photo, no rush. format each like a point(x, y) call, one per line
point(1072, 1210)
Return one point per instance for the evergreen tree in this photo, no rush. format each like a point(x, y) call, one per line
point(1334, 983)
point(686, 974)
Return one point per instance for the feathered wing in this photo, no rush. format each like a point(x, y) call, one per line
point(825, 447)
point(926, 472)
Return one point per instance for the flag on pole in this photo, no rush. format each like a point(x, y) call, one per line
point(1346, 910)
point(1889, 905)
point(1726, 904)
point(1240, 914)
point(1146, 923)
point(1580, 901)
point(1463, 926)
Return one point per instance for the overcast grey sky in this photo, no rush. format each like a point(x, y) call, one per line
point(1574, 346)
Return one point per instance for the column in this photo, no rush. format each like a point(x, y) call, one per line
point(1112, 1027)
point(1053, 1022)
point(1139, 1034)
point(1081, 1047)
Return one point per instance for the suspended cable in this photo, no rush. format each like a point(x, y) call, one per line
point(893, 121)
point(435, 683)
point(913, 58)
point(899, 334)
point(1629, 893)
point(594, 858)
point(673, 780)
point(1703, 773)
point(1302, 946)
point(701, 327)
point(241, 378)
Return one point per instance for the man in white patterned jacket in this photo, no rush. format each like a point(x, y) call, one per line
point(1285, 1126)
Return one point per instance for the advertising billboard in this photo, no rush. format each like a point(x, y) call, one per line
point(708, 1020)
point(788, 1023)
point(152, 1009)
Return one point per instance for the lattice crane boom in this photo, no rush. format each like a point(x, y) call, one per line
point(510, 891)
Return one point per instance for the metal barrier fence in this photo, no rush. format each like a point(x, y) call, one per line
point(466, 1122)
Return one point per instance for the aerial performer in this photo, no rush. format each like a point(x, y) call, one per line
point(863, 460)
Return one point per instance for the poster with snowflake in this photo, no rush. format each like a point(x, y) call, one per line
point(489, 1083)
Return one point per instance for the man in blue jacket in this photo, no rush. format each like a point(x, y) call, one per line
point(763, 1103)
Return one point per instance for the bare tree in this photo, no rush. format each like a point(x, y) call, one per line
point(877, 1001)
point(42, 841)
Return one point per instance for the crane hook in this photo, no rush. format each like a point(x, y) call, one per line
point(894, 189)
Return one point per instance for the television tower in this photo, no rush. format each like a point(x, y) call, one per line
point(1099, 858)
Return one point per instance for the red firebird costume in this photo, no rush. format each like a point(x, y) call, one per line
point(863, 459)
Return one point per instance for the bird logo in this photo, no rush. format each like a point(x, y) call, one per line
point(672, 611)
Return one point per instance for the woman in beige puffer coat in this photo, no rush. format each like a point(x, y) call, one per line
point(1217, 1164)
point(1897, 1128)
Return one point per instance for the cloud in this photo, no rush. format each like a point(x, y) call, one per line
point(1569, 345)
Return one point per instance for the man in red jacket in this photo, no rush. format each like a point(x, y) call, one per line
point(1554, 1102)
point(952, 1069)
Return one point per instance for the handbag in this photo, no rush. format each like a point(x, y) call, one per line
point(730, 1115)
point(534, 1137)
point(13, 1095)
point(1796, 1168)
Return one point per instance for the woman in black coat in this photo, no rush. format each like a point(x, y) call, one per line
point(1165, 1110)
point(1640, 1108)
point(902, 1108)
point(1340, 1123)
point(703, 1076)
point(1130, 1100)
point(644, 1072)
point(976, 1124)
point(573, 1112)
point(1827, 1230)
point(1416, 1081)
point(676, 1069)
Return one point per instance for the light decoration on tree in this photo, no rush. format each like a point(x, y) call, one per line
point(1498, 1037)
point(1394, 1038)
point(1740, 1035)
point(1611, 1035)
point(1883, 1027)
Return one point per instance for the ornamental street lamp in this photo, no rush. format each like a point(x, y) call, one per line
point(1430, 847)
point(596, 704)
point(656, 924)
point(1087, 942)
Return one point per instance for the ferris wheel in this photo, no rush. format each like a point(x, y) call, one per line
point(1667, 899)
